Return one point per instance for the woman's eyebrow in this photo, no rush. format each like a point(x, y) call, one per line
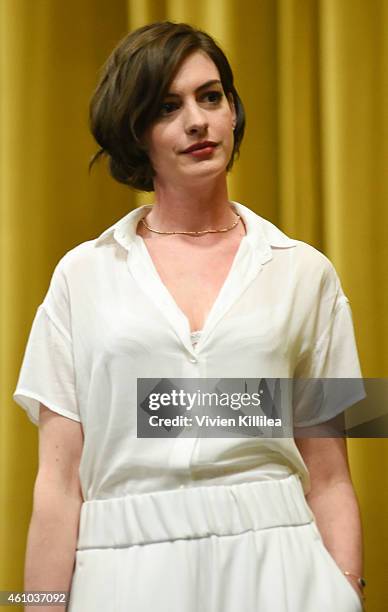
point(203, 86)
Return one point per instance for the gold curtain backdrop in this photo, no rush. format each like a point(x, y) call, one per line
point(313, 78)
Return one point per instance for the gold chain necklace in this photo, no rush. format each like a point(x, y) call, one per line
point(210, 231)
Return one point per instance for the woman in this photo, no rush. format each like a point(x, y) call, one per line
point(193, 287)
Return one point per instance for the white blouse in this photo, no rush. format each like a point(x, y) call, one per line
point(107, 319)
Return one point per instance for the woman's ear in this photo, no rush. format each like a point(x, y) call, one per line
point(232, 108)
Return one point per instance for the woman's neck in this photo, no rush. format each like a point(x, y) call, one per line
point(191, 210)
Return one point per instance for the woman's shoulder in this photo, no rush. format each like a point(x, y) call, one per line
point(78, 254)
point(86, 260)
point(108, 245)
point(303, 254)
point(311, 257)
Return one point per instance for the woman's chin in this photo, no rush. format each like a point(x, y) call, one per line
point(206, 168)
point(194, 174)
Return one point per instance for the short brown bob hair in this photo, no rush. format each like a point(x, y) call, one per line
point(134, 81)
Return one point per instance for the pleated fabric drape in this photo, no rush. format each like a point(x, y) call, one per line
point(313, 78)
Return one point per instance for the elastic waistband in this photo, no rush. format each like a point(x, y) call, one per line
point(192, 512)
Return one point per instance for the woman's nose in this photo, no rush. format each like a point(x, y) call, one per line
point(195, 119)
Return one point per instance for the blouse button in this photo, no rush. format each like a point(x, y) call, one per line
point(193, 360)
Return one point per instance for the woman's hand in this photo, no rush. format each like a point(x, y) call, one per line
point(356, 586)
point(334, 503)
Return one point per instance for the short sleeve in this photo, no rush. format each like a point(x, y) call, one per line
point(328, 377)
point(47, 371)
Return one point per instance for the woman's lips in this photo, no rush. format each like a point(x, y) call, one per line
point(202, 152)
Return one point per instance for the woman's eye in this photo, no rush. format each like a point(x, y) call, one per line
point(217, 95)
point(166, 107)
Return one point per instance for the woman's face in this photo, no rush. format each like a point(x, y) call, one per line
point(190, 113)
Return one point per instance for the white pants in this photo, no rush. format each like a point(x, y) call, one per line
point(250, 547)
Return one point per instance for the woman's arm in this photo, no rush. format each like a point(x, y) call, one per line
point(53, 531)
point(333, 501)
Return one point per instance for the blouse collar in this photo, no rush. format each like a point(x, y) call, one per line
point(261, 233)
